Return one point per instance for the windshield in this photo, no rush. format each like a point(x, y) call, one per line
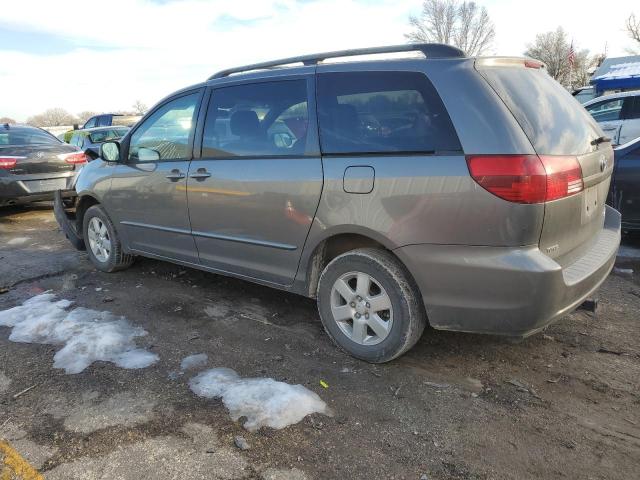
point(26, 136)
point(554, 121)
point(107, 135)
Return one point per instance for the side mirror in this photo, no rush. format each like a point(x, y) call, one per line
point(110, 151)
point(75, 126)
point(283, 140)
point(148, 155)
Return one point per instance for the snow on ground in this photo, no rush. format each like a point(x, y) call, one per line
point(18, 241)
point(194, 361)
point(86, 335)
point(263, 401)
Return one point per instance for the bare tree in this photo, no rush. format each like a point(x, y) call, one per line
point(139, 108)
point(633, 27)
point(553, 48)
point(463, 24)
point(52, 117)
point(4, 120)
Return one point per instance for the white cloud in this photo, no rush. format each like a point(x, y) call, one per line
point(162, 47)
point(138, 49)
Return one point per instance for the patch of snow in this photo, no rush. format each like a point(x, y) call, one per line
point(5, 382)
point(86, 335)
point(621, 70)
point(283, 474)
point(263, 401)
point(194, 361)
point(18, 241)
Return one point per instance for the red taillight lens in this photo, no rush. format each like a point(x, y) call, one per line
point(564, 176)
point(74, 158)
point(527, 178)
point(8, 163)
point(533, 64)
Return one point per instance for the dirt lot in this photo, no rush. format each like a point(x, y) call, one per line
point(563, 404)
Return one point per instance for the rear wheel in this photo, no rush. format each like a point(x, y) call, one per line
point(102, 241)
point(370, 306)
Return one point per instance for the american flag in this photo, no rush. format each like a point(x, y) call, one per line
point(571, 57)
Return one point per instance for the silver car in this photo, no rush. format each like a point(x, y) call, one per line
point(467, 193)
point(618, 115)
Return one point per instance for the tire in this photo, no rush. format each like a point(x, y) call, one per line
point(397, 328)
point(105, 259)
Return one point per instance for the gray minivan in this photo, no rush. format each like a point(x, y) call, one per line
point(468, 193)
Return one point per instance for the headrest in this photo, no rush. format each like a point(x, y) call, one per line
point(244, 123)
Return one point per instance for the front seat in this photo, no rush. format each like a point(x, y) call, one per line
point(245, 125)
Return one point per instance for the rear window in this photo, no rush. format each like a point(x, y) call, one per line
point(107, 135)
point(26, 136)
point(554, 122)
point(382, 112)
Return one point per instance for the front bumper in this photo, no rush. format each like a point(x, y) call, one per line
point(66, 220)
point(504, 290)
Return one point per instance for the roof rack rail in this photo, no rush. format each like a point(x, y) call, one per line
point(430, 50)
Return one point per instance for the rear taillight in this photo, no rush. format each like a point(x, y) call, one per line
point(564, 176)
point(74, 158)
point(527, 178)
point(7, 163)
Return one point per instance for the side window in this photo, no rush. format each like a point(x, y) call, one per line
point(91, 122)
point(378, 112)
point(76, 139)
point(104, 120)
point(632, 111)
point(256, 120)
point(606, 111)
point(165, 134)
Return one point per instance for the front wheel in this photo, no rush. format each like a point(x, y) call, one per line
point(102, 241)
point(370, 306)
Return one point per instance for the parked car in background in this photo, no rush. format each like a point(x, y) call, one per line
point(584, 94)
point(394, 192)
point(89, 140)
point(105, 120)
point(33, 164)
point(618, 115)
point(624, 194)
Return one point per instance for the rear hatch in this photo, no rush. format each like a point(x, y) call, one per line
point(562, 133)
point(37, 159)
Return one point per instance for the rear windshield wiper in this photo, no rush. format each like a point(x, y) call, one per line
point(600, 140)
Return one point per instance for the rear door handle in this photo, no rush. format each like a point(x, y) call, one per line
point(200, 173)
point(175, 175)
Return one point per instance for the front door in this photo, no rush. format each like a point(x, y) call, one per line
point(630, 128)
point(148, 195)
point(626, 186)
point(254, 191)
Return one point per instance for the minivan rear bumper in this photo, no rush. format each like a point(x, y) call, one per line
point(503, 290)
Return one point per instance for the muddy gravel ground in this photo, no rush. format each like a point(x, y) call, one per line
point(562, 404)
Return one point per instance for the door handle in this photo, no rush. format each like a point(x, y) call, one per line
point(175, 175)
point(200, 174)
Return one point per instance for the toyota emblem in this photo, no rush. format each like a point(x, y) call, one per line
point(40, 154)
point(603, 163)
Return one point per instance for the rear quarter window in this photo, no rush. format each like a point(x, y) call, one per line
point(382, 112)
point(553, 120)
point(27, 136)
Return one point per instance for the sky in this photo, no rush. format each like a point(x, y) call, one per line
point(104, 56)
